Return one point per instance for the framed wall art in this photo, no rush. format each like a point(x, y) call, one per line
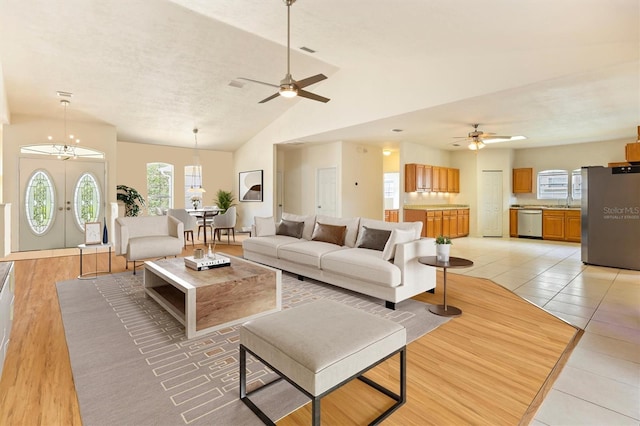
point(250, 188)
point(92, 233)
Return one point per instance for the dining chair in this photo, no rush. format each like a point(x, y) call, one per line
point(189, 223)
point(225, 221)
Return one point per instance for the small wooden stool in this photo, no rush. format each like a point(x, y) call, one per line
point(319, 347)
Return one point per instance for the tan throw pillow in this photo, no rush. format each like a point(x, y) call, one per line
point(290, 228)
point(265, 226)
point(329, 233)
point(374, 239)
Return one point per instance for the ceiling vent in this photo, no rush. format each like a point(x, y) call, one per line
point(307, 49)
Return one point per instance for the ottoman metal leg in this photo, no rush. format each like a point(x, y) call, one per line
point(400, 399)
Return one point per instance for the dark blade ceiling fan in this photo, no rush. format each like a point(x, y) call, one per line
point(289, 87)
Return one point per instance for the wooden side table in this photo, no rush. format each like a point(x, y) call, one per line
point(454, 262)
point(96, 247)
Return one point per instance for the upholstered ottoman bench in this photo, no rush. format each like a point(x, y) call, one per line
point(320, 346)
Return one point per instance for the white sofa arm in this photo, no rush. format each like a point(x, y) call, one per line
point(415, 274)
point(121, 237)
point(176, 228)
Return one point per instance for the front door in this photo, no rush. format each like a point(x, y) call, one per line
point(57, 197)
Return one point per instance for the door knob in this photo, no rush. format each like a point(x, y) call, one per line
point(68, 208)
point(60, 208)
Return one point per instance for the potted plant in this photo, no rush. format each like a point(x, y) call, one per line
point(224, 200)
point(443, 247)
point(131, 199)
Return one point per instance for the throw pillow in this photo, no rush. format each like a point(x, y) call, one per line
point(374, 239)
point(309, 221)
point(265, 226)
point(290, 228)
point(329, 233)
point(398, 236)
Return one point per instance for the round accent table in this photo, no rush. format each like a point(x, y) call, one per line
point(454, 262)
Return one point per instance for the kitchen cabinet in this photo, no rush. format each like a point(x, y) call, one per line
point(453, 180)
point(573, 225)
point(450, 222)
point(426, 178)
point(391, 215)
point(417, 177)
point(522, 180)
point(513, 222)
point(463, 222)
point(7, 289)
point(561, 225)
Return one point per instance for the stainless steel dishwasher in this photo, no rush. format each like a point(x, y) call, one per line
point(530, 223)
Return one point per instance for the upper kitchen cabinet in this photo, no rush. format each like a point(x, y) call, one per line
point(426, 178)
point(417, 177)
point(522, 180)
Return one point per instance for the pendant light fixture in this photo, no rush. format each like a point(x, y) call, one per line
point(67, 147)
point(196, 182)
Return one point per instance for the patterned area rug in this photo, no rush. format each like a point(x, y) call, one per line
point(132, 363)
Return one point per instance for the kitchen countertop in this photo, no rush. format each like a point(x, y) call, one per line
point(436, 207)
point(539, 207)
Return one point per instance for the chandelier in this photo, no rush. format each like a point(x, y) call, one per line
point(196, 181)
point(67, 147)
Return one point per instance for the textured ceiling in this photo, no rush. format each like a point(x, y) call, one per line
point(558, 72)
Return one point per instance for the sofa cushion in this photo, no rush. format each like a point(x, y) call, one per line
point(268, 245)
point(374, 239)
point(350, 223)
point(309, 222)
point(307, 252)
point(265, 226)
point(153, 246)
point(398, 236)
point(379, 224)
point(290, 228)
point(329, 233)
point(363, 264)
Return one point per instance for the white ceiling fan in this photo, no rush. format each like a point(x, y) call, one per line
point(288, 87)
point(478, 139)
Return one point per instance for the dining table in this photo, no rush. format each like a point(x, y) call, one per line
point(204, 213)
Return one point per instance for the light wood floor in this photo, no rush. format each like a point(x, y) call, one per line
point(493, 365)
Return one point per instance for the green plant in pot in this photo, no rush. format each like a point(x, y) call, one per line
point(443, 248)
point(224, 200)
point(131, 199)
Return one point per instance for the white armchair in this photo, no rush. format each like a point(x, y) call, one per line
point(189, 223)
point(226, 220)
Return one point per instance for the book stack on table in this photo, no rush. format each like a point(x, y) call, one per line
point(216, 261)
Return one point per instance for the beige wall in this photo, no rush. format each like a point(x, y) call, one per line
point(28, 130)
point(217, 169)
point(565, 157)
point(362, 181)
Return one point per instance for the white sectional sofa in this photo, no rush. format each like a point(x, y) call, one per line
point(388, 269)
point(146, 237)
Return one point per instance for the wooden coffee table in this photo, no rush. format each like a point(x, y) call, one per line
point(205, 301)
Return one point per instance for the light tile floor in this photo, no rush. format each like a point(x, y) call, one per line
point(600, 385)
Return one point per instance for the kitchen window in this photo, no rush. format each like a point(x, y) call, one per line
point(553, 184)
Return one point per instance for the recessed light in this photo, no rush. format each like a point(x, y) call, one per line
point(236, 83)
point(386, 152)
point(63, 94)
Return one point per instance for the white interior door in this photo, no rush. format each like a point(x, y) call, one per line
point(491, 203)
point(279, 195)
point(56, 199)
point(326, 192)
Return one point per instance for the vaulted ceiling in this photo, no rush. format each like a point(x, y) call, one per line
point(558, 72)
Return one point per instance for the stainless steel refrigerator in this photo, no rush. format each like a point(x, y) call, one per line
point(611, 216)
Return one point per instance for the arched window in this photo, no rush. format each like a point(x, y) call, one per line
point(159, 187)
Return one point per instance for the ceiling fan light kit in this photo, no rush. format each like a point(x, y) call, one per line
point(290, 88)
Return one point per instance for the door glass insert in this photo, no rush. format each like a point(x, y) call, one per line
point(86, 200)
point(39, 202)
